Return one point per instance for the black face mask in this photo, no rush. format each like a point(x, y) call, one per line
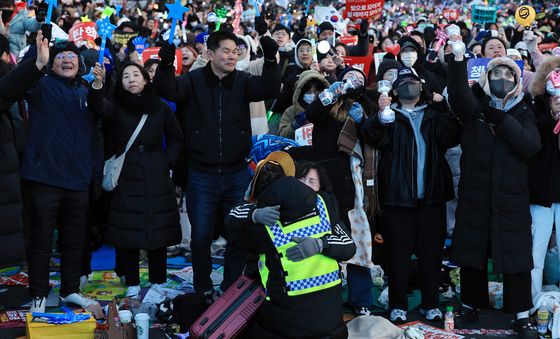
point(501, 87)
point(409, 91)
point(7, 15)
point(448, 57)
point(355, 93)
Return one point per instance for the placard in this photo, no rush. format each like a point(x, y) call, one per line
point(304, 135)
point(483, 14)
point(477, 66)
point(363, 9)
point(362, 63)
point(82, 34)
point(152, 53)
point(451, 14)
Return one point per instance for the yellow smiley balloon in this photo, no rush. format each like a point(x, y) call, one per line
point(525, 15)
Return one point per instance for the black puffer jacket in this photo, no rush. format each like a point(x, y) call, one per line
point(216, 112)
point(144, 212)
point(312, 315)
point(493, 202)
point(11, 231)
point(397, 166)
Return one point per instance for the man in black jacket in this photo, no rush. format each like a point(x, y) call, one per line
point(218, 140)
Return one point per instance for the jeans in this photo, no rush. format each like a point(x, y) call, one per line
point(50, 207)
point(208, 193)
point(360, 285)
point(541, 228)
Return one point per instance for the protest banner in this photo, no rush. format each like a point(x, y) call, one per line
point(483, 14)
point(451, 14)
point(121, 38)
point(349, 40)
point(475, 67)
point(363, 63)
point(363, 9)
point(83, 34)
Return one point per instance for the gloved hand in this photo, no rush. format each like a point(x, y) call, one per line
point(167, 54)
point(266, 215)
point(305, 248)
point(530, 40)
point(493, 115)
point(269, 48)
point(260, 25)
point(299, 120)
point(336, 89)
point(356, 112)
point(458, 48)
point(364, 27)
point(302, 25)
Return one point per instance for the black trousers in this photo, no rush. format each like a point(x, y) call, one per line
point(517, 290)
point(419, 231)
point(128, 261)
point(50, 207)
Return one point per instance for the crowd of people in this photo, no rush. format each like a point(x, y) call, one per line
point(435, 155)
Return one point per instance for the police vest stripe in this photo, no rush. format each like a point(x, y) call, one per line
point(303, 284)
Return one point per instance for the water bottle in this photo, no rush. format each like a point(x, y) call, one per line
point(449, 321)
point(387, 115)
point(542, 319)
point(327, 97)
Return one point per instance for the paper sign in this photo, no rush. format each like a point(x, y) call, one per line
point(82, 34)
point(451, 14)
point(476, 67)
point(121, 38)
point(363, 63)
point(152, 53)
point(349, 40)
point(304, 135)
point(483, 14)
point(378, 59)
point(363, 9)
point(548, 46)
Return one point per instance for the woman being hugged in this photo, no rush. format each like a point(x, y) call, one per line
point(144, 212)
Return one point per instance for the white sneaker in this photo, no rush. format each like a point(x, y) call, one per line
point(38, 304)
point(133, 292)
point(78, 299)
point(432, 315)
point(398, 315)
point(84, 279)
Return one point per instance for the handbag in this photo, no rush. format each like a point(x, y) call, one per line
point(113, 166)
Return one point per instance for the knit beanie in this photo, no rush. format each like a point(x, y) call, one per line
point(280, 27)
point(63, 46)
point(386, 65)
point(325, 26)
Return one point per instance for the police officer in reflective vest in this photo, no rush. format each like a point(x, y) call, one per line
point(297, 241)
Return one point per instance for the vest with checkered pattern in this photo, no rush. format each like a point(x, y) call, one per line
point(312, 274)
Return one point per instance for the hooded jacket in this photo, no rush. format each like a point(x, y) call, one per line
point(493, 205)
point(433, 82)
point(544, 181)
point(20, 24)
point(288, 117)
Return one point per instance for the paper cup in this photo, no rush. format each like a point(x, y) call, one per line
point(125, 316)
point(142, 321)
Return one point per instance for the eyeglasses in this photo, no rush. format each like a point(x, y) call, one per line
point(502, 74)
point(305, 50)
point(69, 56)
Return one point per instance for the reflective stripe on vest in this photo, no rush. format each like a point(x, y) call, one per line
point(312, 274)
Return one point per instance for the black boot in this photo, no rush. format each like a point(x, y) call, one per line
point(466, 317)
point(524, 329)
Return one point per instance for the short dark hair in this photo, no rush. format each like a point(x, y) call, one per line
point(214, 39)
point(269, 173)
point(485, 42)
point(302, 169)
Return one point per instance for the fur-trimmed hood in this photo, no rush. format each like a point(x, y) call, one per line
point(538, 84)
point(496, 62)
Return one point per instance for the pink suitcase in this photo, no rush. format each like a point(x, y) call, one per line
point(228, 316)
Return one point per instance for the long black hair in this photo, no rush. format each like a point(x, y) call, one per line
point(302, 169)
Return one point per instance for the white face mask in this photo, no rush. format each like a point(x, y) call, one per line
point(309, 97)
point(409, 58)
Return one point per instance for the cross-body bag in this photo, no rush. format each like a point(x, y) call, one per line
point(113, 166)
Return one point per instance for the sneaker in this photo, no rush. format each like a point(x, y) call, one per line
point(133, 292)
point(524, 329)
point(84, 279)
point(466, 317)
point(78, 299)
point(362, 310)
point(432, 315)
point(38, 304)
point(398, 315)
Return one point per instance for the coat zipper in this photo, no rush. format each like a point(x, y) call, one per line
point(232, 308)
point(220, 126)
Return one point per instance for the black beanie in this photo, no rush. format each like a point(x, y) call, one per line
point(325, 26)
point(63, 46)
point(386, 65)
point(348, 69)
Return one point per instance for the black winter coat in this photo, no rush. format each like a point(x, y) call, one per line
point(544, 169)
point(493, 205)
point(144, 211)
point(217, 120)
point(397, 165)
point(11, 224)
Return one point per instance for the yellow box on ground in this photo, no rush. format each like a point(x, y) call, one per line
point(79, 330)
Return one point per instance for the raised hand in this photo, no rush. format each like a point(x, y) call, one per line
point(99, 75)
point(42, 51)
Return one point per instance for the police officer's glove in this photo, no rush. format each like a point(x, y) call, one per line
point(167, 54)
point(305, 248)
point(269, 48)
point(266, 215)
